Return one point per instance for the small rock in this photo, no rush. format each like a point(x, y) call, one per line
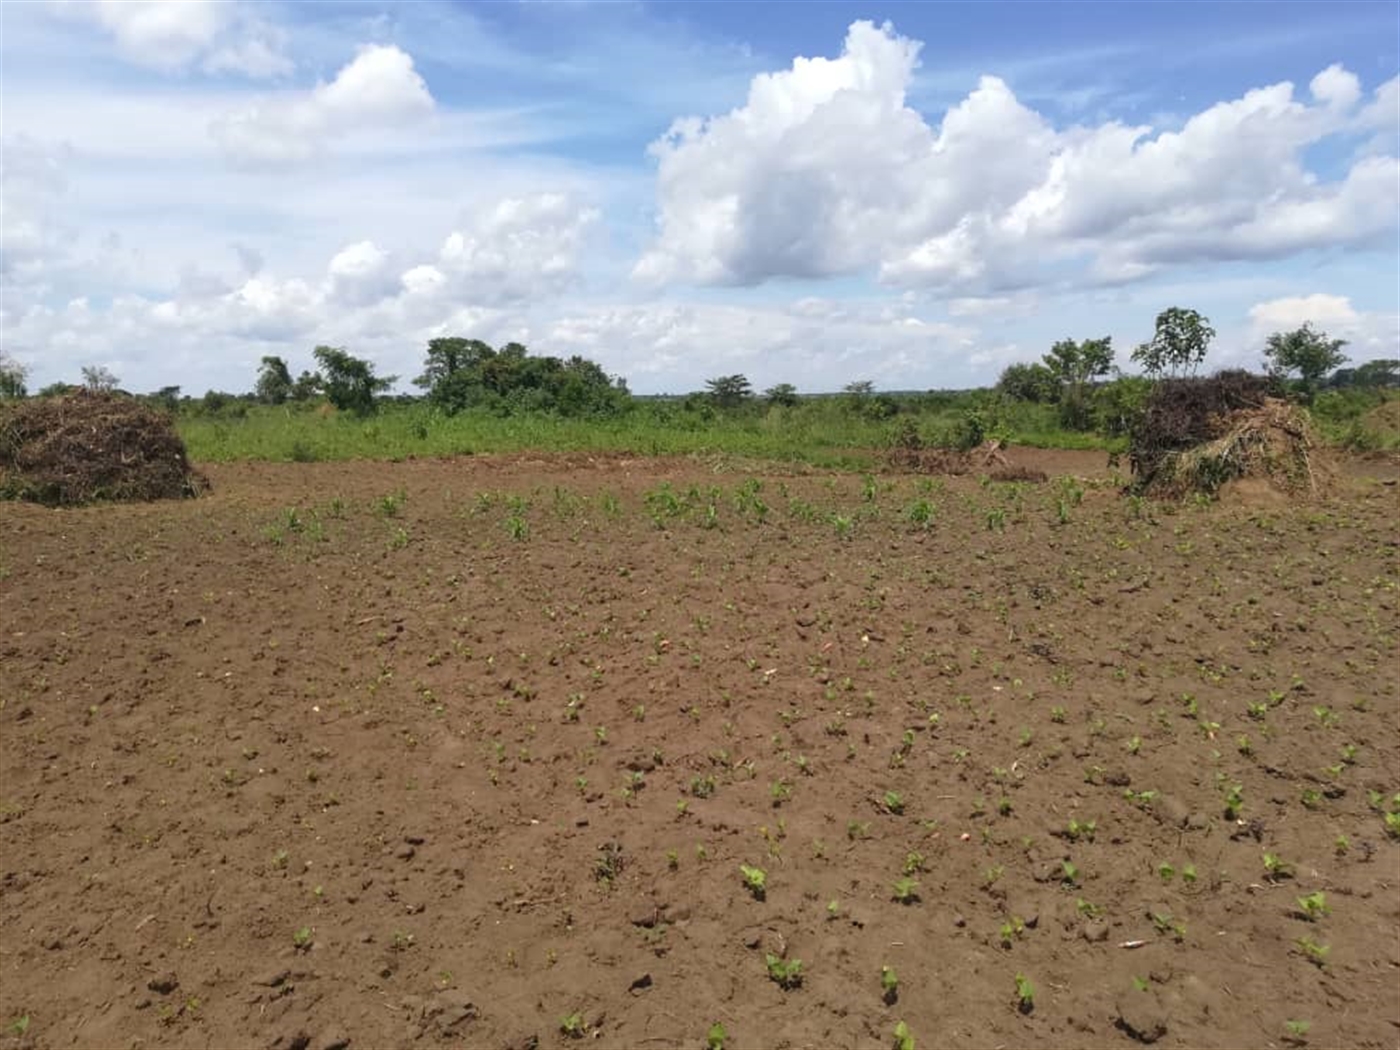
point(164, 984)
point(414, 840)
point(641, 984)
point(143, 1003)
point(1095, 932)
point(1118, 778)
point(1031, 921)
point(1140, 1016)
point(406, 853)
point(1172, 811)
point(273, 978)
point(331, 1039)
point(959, 922)
point(1198, 822)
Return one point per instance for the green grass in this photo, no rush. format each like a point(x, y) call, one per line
point(822, 434)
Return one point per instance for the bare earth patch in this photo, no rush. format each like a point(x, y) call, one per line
point(472, 752)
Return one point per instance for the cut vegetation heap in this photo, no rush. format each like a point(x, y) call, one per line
point(84, 447)
point(1195, 435)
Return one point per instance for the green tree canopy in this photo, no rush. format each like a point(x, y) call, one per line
point(1076, 365)
point(350, 382)
point(729, 391)
point(1309, 353)
point(784, 394)
point(1178, 345)
point(274, 383)
point(1030, 382)
point(468, 373)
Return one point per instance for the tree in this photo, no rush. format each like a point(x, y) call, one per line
point(1075, 366)
point(98, 378)
point(350, 382)
point(168, 397)
point(729, 391)
point(307, 386)
point(784, 394)
point(274, 384)
point(467, 373)
point(1311, 354)
point(1179, 344)
point(860, 388)
point(1030, 382)
point(12, 376)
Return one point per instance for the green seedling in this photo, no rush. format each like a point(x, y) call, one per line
point(302, 937)
point(1313, 906)
point(1011, 931)
point(856, 829)
point(1089, 911)
point(1070, 873)
point(20, 1025)
point(785, 973)
point(833, 909)
point(715, 1037)
point(913, 863)
point(889, 985)
point(906, 891)
point(903, 1038)
point(1312, 798)
point(894, 802)
point(1166, 872)
point(1276, 867)
point(1025, 994)
point(780, 791)
point(1081, 830)
point(1314, 952)
point(756, 879)
point(1234, 801)
point(573, 1026)
point(1188, 874)
point(1140, 984)
point(1297, 1030)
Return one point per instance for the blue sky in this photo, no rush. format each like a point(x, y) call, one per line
point(916, 194)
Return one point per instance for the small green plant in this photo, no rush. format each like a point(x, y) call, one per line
point(903, 1038)
point(1078, 829)
point(1314, 952)
point(20, 1025)
point(913, 862)
point(1312, 798)
point(906, 890)
point(1188, 874)
point(1234, 801)
point(572, 1026)
point(1025, 994)
point(894, 802)
point(1011, 931)
point(780, 791)
point(1276, 867)
point(302, 937)
point(1297, 1030)
point(1166, 872)
point(715, 1037)
point(1313, 906)
point(833, 910)
point(785, 973)
point(1069, 873)
point(1057, 715)
point(889, 985)
point(1089, 911)
point(756, 879)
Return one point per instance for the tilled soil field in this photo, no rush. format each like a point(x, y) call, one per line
point(516, 752)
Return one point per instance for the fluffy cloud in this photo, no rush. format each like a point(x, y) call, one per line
point(816, 344)
point(504, 261)
point(379, 89)
point(1368, 334)
point(826, 170)
point(220, 35)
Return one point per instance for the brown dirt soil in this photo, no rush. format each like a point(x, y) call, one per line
point(329, 758)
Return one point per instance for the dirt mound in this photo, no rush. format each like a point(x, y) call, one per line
point(83, 447)
point(1273, 443)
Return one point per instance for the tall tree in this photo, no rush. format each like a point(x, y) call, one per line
point(784, 394)
point(98, 378)
point(274, 383)
point(1178, 345)
point(350, 382)
point(729, 391)
point(1309, 353)
point(12, 376)
point(1075, 366)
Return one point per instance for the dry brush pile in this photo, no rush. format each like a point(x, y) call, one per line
point(1196, 435)
point(84, 447)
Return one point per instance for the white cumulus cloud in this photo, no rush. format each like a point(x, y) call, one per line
point(827, 170)
point(222, 36)
point(379, 89)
